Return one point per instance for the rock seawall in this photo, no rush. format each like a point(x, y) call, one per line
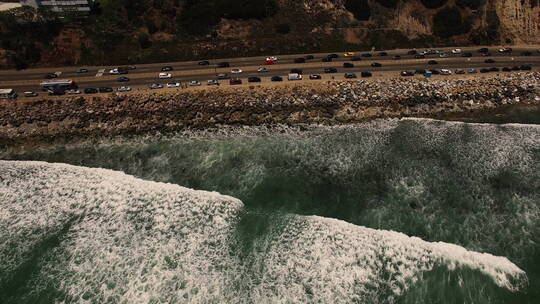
point(330, 102)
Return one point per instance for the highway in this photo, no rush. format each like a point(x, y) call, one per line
point(146, 74)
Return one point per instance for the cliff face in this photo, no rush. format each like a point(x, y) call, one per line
point(152, 31)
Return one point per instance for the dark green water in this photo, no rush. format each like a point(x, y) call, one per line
point(473, 185)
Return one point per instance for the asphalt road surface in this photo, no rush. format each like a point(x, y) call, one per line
point(146, 74)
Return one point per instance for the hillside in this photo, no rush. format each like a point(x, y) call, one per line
point(139, 31)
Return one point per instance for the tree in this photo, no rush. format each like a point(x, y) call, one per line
point(448, 22)
point(359, 8)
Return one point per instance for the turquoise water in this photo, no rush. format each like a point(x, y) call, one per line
point(473, 185)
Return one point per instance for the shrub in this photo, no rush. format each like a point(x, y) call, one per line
point(434, 3)
point(448, 22)
point(359, 8)
point(283, 28)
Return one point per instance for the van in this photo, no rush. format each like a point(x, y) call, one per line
point(295, 76)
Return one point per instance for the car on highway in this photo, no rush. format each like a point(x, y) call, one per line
point(443, 55)
point(131, 67)
point(154, 86)
point(124, 89)
point(525, 67)
point(419, 56)
point(365, 74)
point(30, 94)
point(456, 51)
point(406, 73)
point(494, 69)
point(350, 75)
point(458, 71)
point(194, 83)
point(432, 62)
point(81, 71)
point(51, 75)
point(122, 79)
point(299, 60)
point(446, 72)
point(472, 71)
point(412, 52)
point(236, 71)
point(212, 82)
point(204, 62)
point(276, 78)
point(507, 69)
point(90, 91)
point(489, 60)
point(333, 56)
point(273, 58)
point(309, 57)
point(172, 85)
point(105, 89)
point(330, 70)
point(262, 70)
point(515, 68)
point(526, 53)
point(73, 92)
point(484, 70)
point(235, 81)
point(164, 75)
point(486, 54)
point(348, 65)
point(296, 71)
point(383, 54)
point(327, 59)
point(483, 50)
point(366, 55)
point(376, 65)
point(315, 76)
point(167, 68)
point(56, 92)
point(294, 76)
point(420, 71)
point(505, 50)
point(349, 54)
point(269, 62)
point(466, 54)
point(223, 65)
point(222, 76)
point(114, 72)
point(254, 79)
point(356, 58)
point(396, 57)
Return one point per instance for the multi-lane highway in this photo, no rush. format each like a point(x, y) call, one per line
point(146, 74)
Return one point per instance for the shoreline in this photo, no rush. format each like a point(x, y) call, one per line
point(67, 119)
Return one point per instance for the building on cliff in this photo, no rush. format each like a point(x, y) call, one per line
point(79, 7)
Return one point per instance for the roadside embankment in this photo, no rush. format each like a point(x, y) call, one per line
point(321, 102)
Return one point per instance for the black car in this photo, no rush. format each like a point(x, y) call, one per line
point(407, 73)
point(348, 65)
point(296, 71)
point(484, 70)
point(420, 71)
point(483, 50)
point(526, 53)
point(56, 92)
point(365, 74)
point(333, 56)
point(376, 65)
point(489, 61)
point(90, 91)
point(309, 57)
point(459, 72)
point(327, 59)
point(350, 75)
point(367, 55)
point(300, 60)
point(515, 68)
point(330, 70)
point(466, 54)
point(105, 90)
point(222, 76)
point(166, 68)
point(412, 52)
point(276, 78)
point(122, 79)
point(486, 54)
point(315, 76)
point(494, 69)
point(356, 58)
point(432, 62)
point(419, 56)
point(51, 76)
point(396, 57)
point(435, 72)
point(204, 62)
point(223, 65)
point(507, 69)
point(383, 54)
point(254, 79)
point(525, 67)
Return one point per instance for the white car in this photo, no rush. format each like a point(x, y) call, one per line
point(114, 72)
point(171, 85)
point(443, 55)
point(165, 75)
point(456, 51)
point(294, 76)
point(124, 89)
point(262, 70)
point(236, 71)
point(272, 58)
point(194, 83)
point(445, 72)
point(73, 92)
point(212, 82)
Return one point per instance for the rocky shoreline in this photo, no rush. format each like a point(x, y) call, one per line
point(328, 102)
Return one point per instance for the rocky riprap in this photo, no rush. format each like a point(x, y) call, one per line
point(330, 102)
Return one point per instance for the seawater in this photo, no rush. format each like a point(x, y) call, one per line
point(390, 211)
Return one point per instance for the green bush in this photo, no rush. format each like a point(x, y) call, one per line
point(434, 3)
point(448, 22)
point(359, 8)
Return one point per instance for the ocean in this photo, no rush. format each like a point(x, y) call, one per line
point(387, 211)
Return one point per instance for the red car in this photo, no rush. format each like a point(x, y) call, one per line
point(268, 62)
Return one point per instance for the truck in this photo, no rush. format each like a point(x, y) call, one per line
point(8, 94)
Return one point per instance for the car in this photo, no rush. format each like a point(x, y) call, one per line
point(51, 76)
point(507, 69)
point(515, 68)
point(432, 62)
point(483, 50)
point(315, 76)
point(56, 92)
point(299, 60)
point(350, 75)
point(114, 71)
point(412, 52)
point(171, 85)
point(212, 82)
point(376, 65)
point(466, 54)
point(459, 72)
point(349, 54)
point(486, 54)
point(276, 78)
point(269, 62)
point(73, 92)
point(131, 67)
point(236, 71)
point(525, 67)
point(472, 71)
point(122, 79)
point(30, 94)
point(538, 51)
point(167, 68)
point(443, 55)
point(123, 89)
point(90, 91)
point(154, 86)
point(456, 51)
point(309, 57)
point(526, 53)
point(204, 62)
point(494, 69)
point(484, 70)
point(396, 57)
point(330, 70)
point(194, 83)
point(105, 89)
point(273, 58)
point(383, 54)
point(489, 60)
point(419, 56)
point(235, 81)
point(446, 72)
point(81, 71)
point(333, 56)
point(420, 71)
point(366, 55)
point(407, 73)
point(294, 76)
point(164, 75)
point(296, 71)
point(435, 71)
point(327, 59)
point(224, 65)
point(222, 76)
point(254, 79)
point(348, 65)
point(505, 50)
point(356, 58)
point(365, 74)
point(262, 70)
